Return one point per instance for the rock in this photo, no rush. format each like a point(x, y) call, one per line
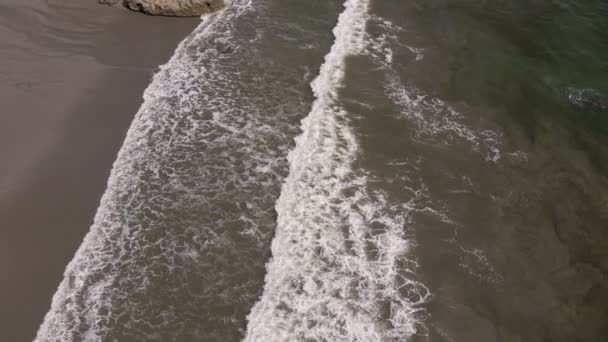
point(173, 8)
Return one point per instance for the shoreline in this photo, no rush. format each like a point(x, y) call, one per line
point(71, 93)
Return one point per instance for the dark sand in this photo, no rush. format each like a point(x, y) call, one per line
point(72, 74)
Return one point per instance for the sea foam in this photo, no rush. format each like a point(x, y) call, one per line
point(340, 269)
point(180, 239)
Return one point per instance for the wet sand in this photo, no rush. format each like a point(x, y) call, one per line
point(72, 74)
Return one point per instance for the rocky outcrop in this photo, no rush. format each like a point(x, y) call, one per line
point(174, 8)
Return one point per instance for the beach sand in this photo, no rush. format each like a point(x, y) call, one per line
point(72, 74)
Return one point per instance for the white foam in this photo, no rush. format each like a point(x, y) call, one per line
point(436, 121)
point(189, 199)
point(381, 46)
point(340, 269)
point(76, 306)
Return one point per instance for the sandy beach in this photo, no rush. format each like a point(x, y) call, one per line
point(72, 74)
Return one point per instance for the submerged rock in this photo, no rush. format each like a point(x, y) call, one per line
point(174, 8)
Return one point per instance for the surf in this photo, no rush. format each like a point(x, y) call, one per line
point(337, 271)
point(191, 195)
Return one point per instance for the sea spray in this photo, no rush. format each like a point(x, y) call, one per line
point(339, 269)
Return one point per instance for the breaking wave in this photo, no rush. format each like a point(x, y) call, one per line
point(340, 269)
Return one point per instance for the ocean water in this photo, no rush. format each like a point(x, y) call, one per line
point(359, 170)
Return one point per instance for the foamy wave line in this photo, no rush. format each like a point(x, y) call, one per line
point(339, 270)
point(81, 307)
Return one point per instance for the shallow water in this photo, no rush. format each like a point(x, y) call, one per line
point(70, 82)
point(446, 182)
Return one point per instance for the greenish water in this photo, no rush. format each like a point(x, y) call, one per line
point(517, 67)
point(522, 58)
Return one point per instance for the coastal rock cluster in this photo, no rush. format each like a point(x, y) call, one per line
point(174, 8)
